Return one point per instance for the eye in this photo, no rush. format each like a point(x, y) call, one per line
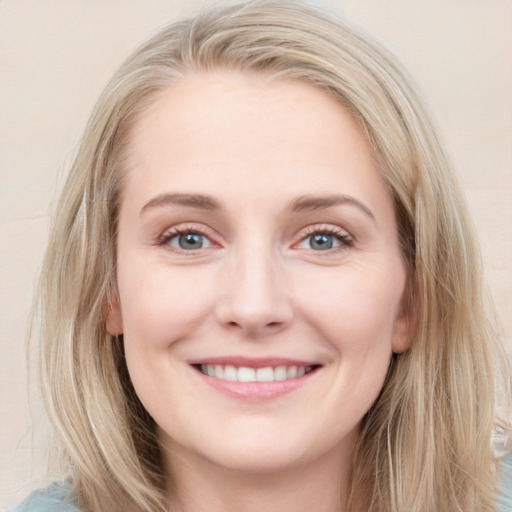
point(186, 240)
point(321, 242)
point(325, 240)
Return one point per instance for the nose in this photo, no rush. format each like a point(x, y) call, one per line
point(254, 300)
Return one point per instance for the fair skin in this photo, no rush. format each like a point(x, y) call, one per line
point(257, 242)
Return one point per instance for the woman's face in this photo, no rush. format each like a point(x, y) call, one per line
point(259, 273)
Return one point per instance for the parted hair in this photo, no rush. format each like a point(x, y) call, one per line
point(425, 444)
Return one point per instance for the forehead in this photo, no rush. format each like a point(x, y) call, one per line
point(244, 130)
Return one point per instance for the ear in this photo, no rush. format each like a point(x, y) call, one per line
point(113, 318)
point(406, 321)
point(402, 340)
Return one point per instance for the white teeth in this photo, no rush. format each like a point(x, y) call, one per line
point(280, 373)
point(291, 372)
point(248, 374)
point(265, 374)
point(230, 373)
point(219, 371)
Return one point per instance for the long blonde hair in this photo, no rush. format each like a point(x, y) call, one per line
point(425, 445)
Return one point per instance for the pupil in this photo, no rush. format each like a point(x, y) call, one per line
point(321, 242)
point(191, 241)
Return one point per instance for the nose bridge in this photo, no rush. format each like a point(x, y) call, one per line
point(255, 298)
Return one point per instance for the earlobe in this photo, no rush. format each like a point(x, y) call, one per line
point(402, 339)
point(406, 322)
point(113, 318)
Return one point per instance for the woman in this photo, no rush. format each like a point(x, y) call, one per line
point(262, 289)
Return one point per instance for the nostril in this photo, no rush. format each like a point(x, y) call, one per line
point(254, 312)
point(255, 328)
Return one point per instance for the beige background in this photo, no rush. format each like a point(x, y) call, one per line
point(55, 57)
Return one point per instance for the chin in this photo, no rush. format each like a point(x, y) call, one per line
point(258, 460)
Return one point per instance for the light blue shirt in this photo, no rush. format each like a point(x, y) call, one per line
point(58, 497)
point(505, 495)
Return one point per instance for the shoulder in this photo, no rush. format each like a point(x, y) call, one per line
point(56, 498)
point(505, 485)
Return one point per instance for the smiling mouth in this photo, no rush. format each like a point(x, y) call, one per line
point(233, 373)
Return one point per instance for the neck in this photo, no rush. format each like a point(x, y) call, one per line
point(198, 485)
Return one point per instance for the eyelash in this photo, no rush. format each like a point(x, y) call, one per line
point(167, 236)
point(346, 240)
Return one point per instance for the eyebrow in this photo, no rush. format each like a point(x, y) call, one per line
point(311, 203)
point(201, 201)
point(300, 204)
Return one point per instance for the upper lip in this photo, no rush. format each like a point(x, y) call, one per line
point(252, 362)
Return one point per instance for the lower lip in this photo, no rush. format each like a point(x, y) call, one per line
point(256, 390)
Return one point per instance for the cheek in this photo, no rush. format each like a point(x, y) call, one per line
point(163, 304)
point(161, 308)
point(355, 312)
